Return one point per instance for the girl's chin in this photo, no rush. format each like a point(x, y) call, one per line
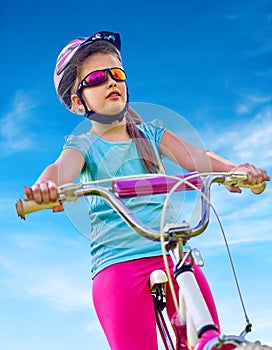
point(113, 110)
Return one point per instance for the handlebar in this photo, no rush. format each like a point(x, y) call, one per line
point(145, 185)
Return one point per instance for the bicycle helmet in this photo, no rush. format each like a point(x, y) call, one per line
point(66, 56)
point(69, 51)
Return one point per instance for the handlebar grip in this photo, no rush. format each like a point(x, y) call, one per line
point(238, 179)
point(31, 206)
point(258, 189)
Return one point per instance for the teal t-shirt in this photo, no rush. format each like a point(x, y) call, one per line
point(112, 240)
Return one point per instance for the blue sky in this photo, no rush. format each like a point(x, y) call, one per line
point(207, 61)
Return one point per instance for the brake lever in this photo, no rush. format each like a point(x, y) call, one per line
point(69, 192)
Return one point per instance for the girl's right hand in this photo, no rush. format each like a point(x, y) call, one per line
point(43, 192)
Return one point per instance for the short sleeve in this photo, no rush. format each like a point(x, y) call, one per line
point(154, 130)
point(80, 143)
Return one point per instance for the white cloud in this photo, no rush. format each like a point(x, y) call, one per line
point(243, 108)
point(251, 101)
point(62, 288)
point(15, 136)
point(93, 327)
point(52, 269)
point(61, 291)
point(248, 141)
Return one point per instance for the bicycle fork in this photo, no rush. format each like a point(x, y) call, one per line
point(193, 310)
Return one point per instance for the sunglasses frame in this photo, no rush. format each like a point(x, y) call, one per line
point(107, 71)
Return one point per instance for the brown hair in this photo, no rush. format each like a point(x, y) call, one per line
point(70, 79)
point(149, 158)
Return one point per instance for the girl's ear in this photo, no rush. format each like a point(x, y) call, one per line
point(77, 104)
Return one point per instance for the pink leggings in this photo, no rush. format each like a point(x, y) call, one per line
point(124, 304)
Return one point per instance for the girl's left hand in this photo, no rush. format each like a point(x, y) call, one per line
point(255, 176)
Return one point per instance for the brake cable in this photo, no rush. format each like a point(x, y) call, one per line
point(248, 327)
point(248, 323)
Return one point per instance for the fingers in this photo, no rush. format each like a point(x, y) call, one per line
point(234, 189)
point(58, 208)
point(28, 193)
point(255, 175)
point(43, 192)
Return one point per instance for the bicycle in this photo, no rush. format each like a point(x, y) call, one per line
point(173, 238)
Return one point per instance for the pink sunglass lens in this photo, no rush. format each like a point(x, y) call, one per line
point(95, 78)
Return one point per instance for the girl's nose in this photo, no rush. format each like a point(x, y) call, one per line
point(111, 82)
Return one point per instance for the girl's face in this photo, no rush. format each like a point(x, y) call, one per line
point(107, 98)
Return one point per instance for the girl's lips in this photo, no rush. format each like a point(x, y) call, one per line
point(114, 94)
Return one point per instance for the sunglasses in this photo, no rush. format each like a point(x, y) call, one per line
point(75, 45)
point(100, 76)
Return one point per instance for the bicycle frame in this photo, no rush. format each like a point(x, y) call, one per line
point(173, 236)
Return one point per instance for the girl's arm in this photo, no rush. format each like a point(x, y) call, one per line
point(193, 158)
point(64, 170)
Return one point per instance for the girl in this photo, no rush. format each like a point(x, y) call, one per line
point(90, 79)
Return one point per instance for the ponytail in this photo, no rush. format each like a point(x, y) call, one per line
point(149, 158)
